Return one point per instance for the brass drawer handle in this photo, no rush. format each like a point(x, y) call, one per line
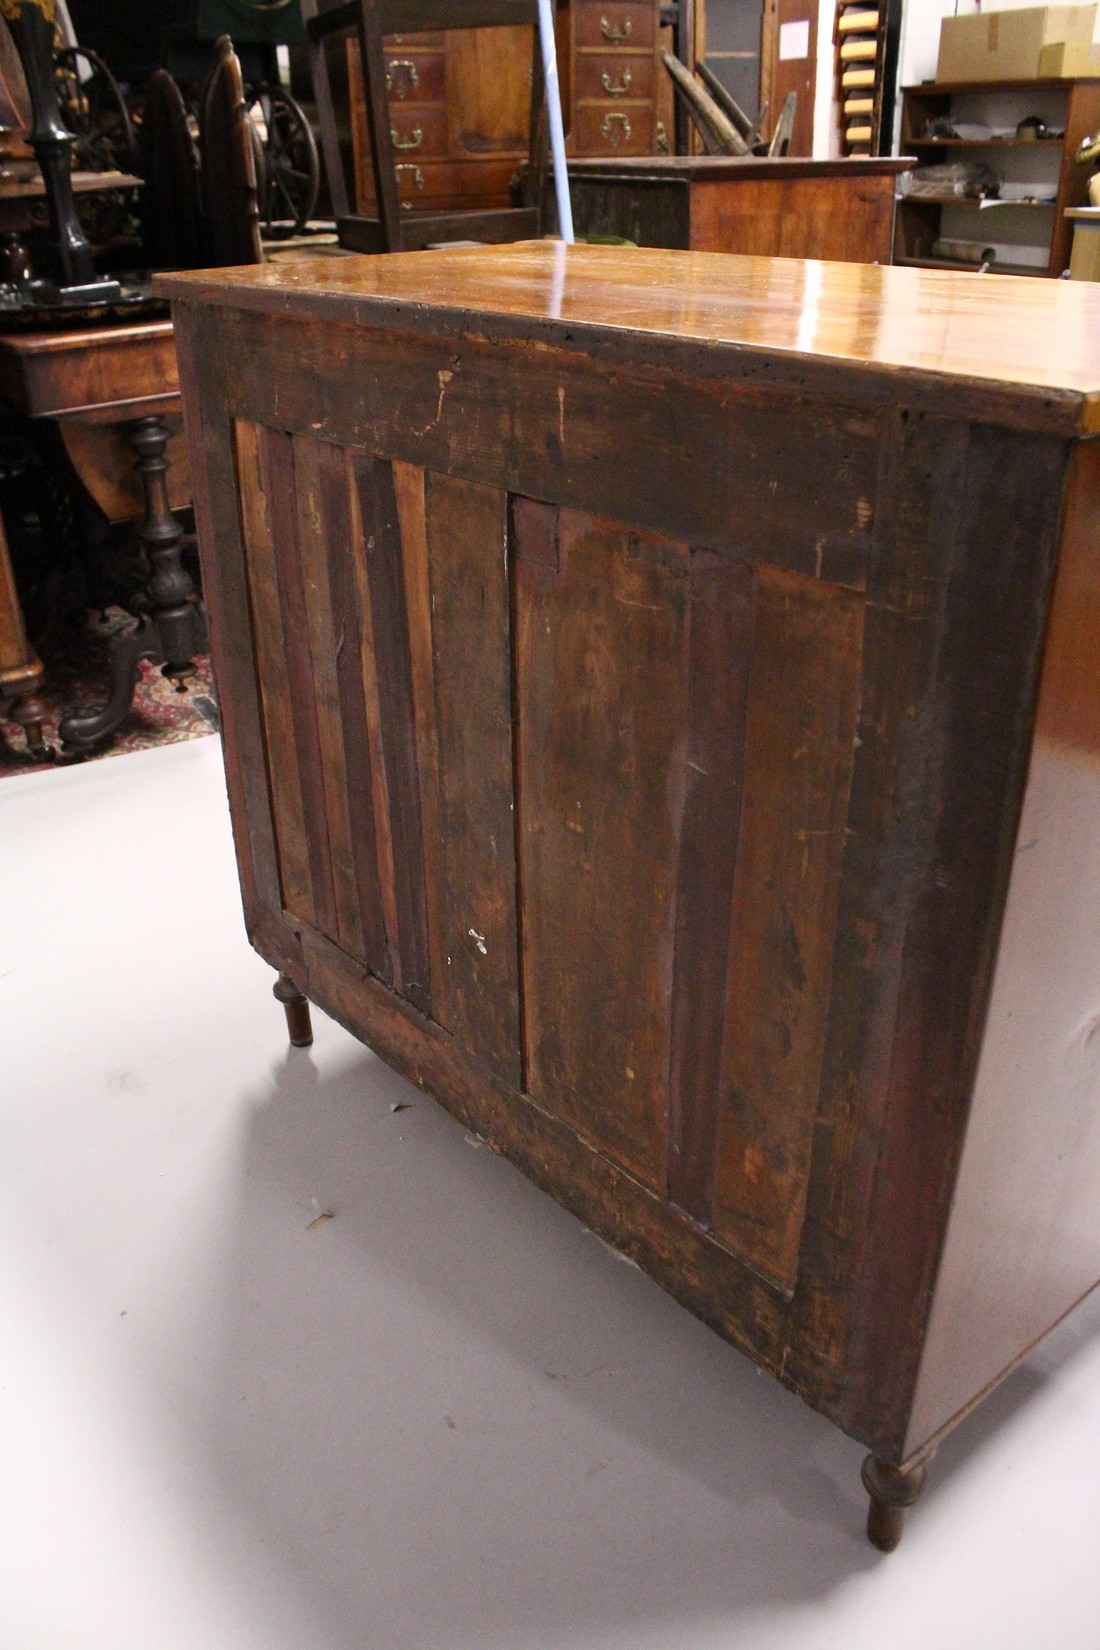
point(412, 76)
point(407, 166)
point(616, 36)
point(413, 141)
point(610, 128)
point(610, 87)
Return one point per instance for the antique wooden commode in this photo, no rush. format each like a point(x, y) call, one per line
point(662, 717)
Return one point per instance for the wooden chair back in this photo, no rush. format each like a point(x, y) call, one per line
point(171, 206)
point(228, 185)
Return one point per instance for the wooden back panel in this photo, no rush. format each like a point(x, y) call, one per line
point(687, 748)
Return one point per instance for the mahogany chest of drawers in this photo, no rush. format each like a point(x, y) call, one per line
point(661, 702)
point(460, 102)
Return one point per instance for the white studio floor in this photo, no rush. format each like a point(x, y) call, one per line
point(445, 1419)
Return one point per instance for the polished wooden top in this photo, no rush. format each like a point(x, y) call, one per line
point(722, 168)
point(1027, 350)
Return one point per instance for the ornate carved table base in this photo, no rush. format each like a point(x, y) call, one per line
point(173, 631)
point(119, 377)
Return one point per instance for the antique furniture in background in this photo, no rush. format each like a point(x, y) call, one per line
point(1028, 239)
point(459, 103)
point(91, 383)
point(727, 850)
point(789, 208)
point(472, 28)
point(227, 176)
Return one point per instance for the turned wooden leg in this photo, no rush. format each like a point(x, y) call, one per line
point(893, 1490)
point(29, 712)
point(298, 1024)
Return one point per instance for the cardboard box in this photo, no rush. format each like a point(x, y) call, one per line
point(1008, 45)
point(1069, 60)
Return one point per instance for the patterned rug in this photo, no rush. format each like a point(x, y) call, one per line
point(76, 680)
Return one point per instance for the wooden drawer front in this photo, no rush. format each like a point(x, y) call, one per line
point(618, 25)
point(417, 132)
point(614, 129)
point(622, 79)
point(414, 76)
point(419, 42)
point(442, 184)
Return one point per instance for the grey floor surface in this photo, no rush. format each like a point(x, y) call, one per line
point(447, 1418)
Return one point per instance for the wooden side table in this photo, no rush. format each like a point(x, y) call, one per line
point(779, 207)
point(117, 376)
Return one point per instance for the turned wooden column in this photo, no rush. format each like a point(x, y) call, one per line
point(893, 1490)
point(298, 1024)
point(20, 666)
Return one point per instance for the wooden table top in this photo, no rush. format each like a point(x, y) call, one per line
point(711, 168)
point(32, 187)
point(91, 374)
point(1026, 351)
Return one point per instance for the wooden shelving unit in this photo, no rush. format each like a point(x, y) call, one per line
point(859, 46)
point(1037, 228)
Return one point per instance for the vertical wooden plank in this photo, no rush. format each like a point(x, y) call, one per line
point(276, 455)
point(389, 702)
point(296, 889)
point(801, 723)
point(601, 682)
point(408, 486)
point(225, 585)
point(337, 555)
point(315, 527)
point(471, 628)
point(720, 651)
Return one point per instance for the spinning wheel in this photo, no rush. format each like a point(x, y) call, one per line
point(288, 173)
point(94, 110)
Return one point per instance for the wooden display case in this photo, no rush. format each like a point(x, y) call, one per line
point(1038, 232)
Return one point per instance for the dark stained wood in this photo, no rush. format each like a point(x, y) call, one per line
point(601, 679)
point(803, 700)
point(1020, 1247)
point(280, 744)
point(408, 486)
point(735, 585)
point(466, 530)
point(230, 200)
point(322, 520)
point(722, 598)
point(349, 645)
point(298, 1022)
point(219, 518)
point(389, 695)
point(542, 432)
